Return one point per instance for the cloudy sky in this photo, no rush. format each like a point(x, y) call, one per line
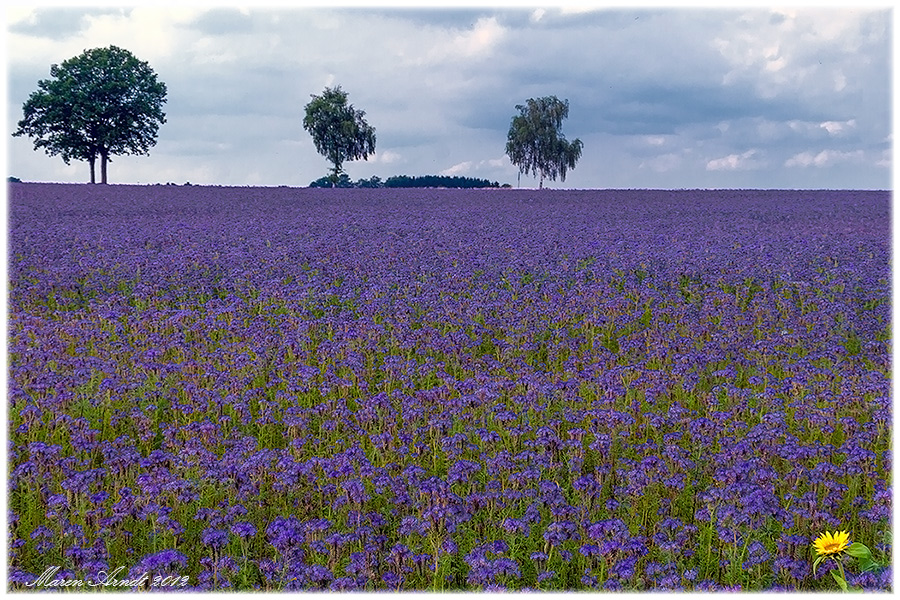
point(661, 97)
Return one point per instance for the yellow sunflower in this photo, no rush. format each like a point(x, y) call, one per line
point(831, 543)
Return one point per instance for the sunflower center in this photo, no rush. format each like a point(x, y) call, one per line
point(832, 547)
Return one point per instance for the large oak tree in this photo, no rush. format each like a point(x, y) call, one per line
point(102, 103)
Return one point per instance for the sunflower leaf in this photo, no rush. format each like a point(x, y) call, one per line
point(867, 564)
point(857, 550)
point(840, 580)
point(816, 563)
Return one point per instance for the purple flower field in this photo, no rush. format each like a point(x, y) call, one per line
point(315, 389)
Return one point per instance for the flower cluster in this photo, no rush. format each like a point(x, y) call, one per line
point(281, 389)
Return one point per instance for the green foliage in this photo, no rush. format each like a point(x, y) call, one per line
point(103, 102)
point(840, 581)
point(445, 181)
point(372, 182)
point(339, 131)
point(405, 181)
point(535, 143)
point(856, 550)
point(342, 181)
point(863, 555)
point(852, 343)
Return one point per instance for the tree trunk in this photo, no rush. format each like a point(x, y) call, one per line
point(104, 158)
point(541, 184)
point(93, 162)
point(335, 175)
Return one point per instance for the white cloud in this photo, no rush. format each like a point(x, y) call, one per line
point(477, 42)
point(482, 38)
point(326, 21)
point(208, 51)
point(471, 167)
point(578, 9)
point(150, 33)
point(440, 90)
point(782, 52)
point(387, 157)
point(840, 80)
point(825, 158)
point(814, 130)
point(838, 127)
point(734, 162)
point(16, 15)
point(776, 64)
point(662, 163)
point(458, 169)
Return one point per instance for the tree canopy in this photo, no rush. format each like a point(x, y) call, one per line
point(535, 143)
point(444, 181)
point(405, 181)
point(104, 102)
point(339, 131)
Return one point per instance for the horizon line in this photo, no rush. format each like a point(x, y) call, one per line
point(532, 189)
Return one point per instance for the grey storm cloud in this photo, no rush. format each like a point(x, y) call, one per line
point(660, 97)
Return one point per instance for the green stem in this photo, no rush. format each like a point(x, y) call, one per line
point(841, 569)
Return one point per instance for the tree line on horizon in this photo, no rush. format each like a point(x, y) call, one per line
point(105, 102)
point(406, 181)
